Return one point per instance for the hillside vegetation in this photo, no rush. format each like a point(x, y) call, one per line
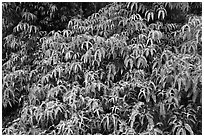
point(125, 69)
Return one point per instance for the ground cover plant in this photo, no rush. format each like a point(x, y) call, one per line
point(122, 69)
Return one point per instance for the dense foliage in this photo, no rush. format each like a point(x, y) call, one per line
point(128, 68)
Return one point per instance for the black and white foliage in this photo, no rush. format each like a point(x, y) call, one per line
point(123, 70)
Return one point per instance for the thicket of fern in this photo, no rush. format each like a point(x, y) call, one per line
point(123, 70)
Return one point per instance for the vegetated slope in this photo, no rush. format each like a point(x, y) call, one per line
point(122, 70)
